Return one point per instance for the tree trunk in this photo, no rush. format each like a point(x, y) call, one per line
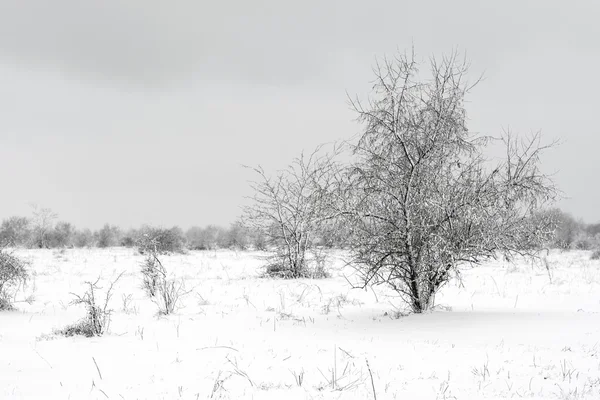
point(421, 294)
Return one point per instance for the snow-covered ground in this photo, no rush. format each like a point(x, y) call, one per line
point(511, 330)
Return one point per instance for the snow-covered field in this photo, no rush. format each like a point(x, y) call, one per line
point(511, 330)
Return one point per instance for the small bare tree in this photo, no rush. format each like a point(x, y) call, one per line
point(42, 223)
point(420, 198)
point(289, 210)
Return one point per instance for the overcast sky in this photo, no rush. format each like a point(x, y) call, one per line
point(134, 112)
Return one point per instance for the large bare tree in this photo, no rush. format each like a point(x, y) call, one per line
point(421, 198)
point(290, 208)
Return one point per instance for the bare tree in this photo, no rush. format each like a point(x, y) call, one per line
point(43, 223)
point(15, 231)
point(108, 236)
point(62, 235)
point(290, 208)
point(421, 199)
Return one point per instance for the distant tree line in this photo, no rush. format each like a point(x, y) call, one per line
point(572, 233)
point(44, 230)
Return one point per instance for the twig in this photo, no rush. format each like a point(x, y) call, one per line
point(97, 368)
point(346, 353)
point(239, 371)
point(36, 352)
point(372, 382)
point(217, 347)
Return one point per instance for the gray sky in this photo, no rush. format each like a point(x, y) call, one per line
point(134, 112)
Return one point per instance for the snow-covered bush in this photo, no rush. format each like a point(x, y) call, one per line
point(97, 319)
point(163, 290)
point(13, 274)
point(161, 240)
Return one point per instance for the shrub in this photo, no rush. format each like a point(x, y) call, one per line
point(236, 237)
point(259, 241)
point(108, 236)
point(152, 272)
point(333, 234)
point(13, 274)
point(313, 267)
point(165, 292)
point(15, 231)
point(63, 235)
point(130, 238)
point(290, 209)
point(566, 231)
point(593, 229)
point(208, 238)
point(595, 255)
point(161, 240)
point(97, 319)
point(583, 241)
point(80, 328)
point(169, 293)
point(6, 304)
point(83, 238)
